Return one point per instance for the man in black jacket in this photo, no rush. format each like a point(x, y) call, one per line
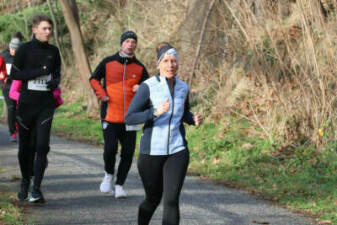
point(38, 65)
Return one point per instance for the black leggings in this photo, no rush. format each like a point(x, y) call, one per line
point(162, 176)
point(11, 108)
point(34, 129)
point(114, 132)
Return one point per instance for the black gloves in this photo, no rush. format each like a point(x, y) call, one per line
point(52, 84)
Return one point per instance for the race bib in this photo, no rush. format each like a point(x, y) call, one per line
point(8, 68)
point(132, 127)
point(39, 84)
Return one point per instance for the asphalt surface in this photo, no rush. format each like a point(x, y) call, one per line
point(71, 189)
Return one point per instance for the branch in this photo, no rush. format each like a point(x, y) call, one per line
point(200, 41)
point(56, 36)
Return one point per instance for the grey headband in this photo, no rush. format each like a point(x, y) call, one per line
point(167, 51)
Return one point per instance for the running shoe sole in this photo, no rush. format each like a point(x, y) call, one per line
point(36, 200)
point(108, 192)
point(121, 197)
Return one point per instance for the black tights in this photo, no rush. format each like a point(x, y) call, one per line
point(114, 132)
point(34, 130)
point(162, 176)
point(11, 108)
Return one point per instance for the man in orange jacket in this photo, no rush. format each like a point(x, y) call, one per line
point(121, 74)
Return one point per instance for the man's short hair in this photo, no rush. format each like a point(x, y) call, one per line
point(37, 19)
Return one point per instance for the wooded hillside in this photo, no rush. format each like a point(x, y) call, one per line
point(272, 63)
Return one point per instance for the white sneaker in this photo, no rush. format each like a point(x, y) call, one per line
point(119, 192)
point(106, 185)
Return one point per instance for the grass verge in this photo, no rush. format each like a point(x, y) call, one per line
point(71, 121)
point(10, 212)
point(301, 178)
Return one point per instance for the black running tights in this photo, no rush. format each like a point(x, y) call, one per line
point(11, 108)
point(114, 132)
point(34, 131)
point(162, 176)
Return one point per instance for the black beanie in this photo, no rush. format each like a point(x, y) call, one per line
point(128, 34)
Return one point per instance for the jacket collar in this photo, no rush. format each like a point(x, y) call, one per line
point(164, 79)
point(126, 60)
point(38, 43)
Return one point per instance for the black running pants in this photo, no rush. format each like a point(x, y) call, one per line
point(11, 109)
point(162, 176)
point(114, 132)
point(34, 130)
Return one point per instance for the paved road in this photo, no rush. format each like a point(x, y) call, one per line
point(71, 191)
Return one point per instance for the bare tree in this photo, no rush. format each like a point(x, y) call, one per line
point(79, 52)
point(74, 9)
point(189, 36)
point(202, 32)
point(55, 32)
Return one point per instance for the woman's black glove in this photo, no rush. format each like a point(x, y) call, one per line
point(52, 84)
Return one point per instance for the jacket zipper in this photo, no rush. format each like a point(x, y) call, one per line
point(169, 131)
point(124, 69)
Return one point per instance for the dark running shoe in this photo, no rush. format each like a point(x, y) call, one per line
point(36, 197)
point(23, 193)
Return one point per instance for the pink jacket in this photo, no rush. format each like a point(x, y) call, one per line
point(14, 93)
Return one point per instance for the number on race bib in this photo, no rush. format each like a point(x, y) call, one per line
point(39, 84)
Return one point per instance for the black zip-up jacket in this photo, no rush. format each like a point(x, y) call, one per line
point(32, 60)
point(7, 56)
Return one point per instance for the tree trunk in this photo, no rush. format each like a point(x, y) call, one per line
point(55, 32)
point(201, 38)
point(80, 56)
point(189, 36)
point(74, 9)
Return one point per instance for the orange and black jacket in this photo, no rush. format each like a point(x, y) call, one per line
point(119, 75)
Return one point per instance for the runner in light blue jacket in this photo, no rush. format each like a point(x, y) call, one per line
point(161, 103)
